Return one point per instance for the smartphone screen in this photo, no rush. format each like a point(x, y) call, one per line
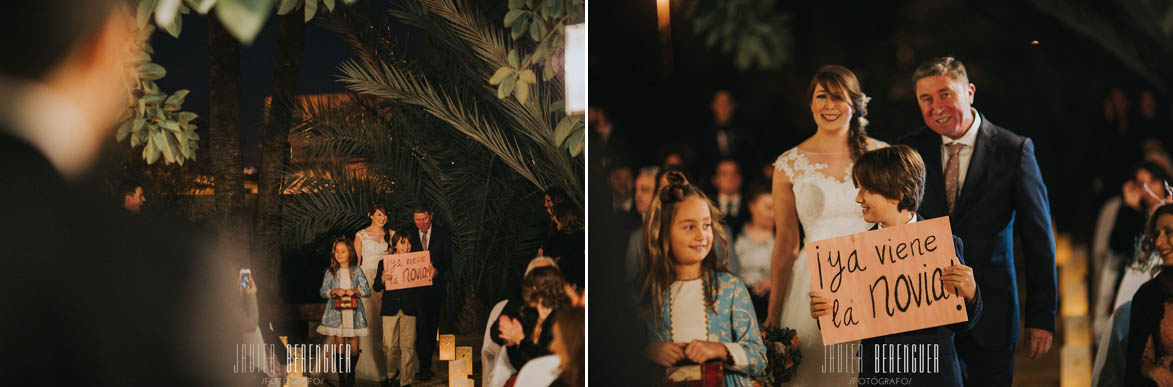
point(244, 278)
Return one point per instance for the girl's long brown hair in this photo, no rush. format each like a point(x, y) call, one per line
point(572, 329)
point(334, 267)
point(842, 84)
point(656, 272)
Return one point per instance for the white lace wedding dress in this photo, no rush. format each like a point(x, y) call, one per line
point(824, 198)
point(372, 365)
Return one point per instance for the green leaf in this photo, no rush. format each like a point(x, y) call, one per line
point(311, 8)
point(286, 6)
point(550, 70)
point(135, 140)
point(529, 4)
point(151, 152)
point(554, 8)
point(140, 58)
point(519, 27)
point(138, 125)
point(177, 98)
point(175, 26)
point(151, 71)
point(535, 29)
point(556, 106)
point(512, 60)
point(575, 143)
point(145, 8)
point(163, 141)
point(528, 76)
point(201, 6)
point(152, 99)
point(185, 117)
point(243, 18)
point(123, 131)
point(500, 75)
point(329, 5)
point(522, 90)
point(169, 125)
point(541, 51)
point(562, 130)
point(506, 87)
point(515, 4)
point(512, 15)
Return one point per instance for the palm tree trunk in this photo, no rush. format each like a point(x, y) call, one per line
point(224, 129)
point(275, 149)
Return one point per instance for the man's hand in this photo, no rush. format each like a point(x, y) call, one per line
point(1038, 341)
point(958, 279)
point(1161, 376)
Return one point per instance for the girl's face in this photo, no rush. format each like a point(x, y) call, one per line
point(404, 246)
point(378, 218)
point(341, 254)
point(830, 111)
point(1164, 238)
point(691, 231)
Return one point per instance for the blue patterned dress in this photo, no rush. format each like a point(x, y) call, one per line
point(732, 320)
point(332, 318)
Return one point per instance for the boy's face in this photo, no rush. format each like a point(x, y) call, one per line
point(875, 206)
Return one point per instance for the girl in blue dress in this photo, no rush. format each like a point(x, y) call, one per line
point(694, 310)
point(344, 326)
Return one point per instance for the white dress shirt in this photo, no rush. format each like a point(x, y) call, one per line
point(729, 204)
point(911, 220)
point(966, 154)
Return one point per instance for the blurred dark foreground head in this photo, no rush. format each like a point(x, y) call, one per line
point(93, 295)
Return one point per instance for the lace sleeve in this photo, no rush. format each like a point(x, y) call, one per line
point(785, 163)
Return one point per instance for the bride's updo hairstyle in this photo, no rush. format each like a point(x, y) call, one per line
point(841, 84)
point(656, 272)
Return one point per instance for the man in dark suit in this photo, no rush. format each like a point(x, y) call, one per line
point(436, 240)
point(725, 138)
point(727, 195)
point(96, 295)
point(986, 179)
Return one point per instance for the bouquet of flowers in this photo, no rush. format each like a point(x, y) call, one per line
point(782, 356)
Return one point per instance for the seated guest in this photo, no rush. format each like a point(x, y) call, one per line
point(754, 245)
point(1150, 331)
point(525, 332)
point(490, 349)
point(695, 310)
point(891, 183)
point(564, 367)
point(727, 190)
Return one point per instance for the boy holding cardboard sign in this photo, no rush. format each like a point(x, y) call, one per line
point(891, 185)
point(401, 306)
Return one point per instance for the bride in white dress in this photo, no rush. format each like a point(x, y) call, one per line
point(371, 244)
point(813, 187)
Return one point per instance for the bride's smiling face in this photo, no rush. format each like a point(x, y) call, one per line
point(378, 218)
point(830, 110)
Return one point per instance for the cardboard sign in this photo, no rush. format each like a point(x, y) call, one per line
point(886, 281)
point(408, 270)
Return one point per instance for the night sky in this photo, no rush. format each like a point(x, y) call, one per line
point(186, 61)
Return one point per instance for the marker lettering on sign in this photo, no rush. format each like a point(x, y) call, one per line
point(835, 261)
point(904, 250)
